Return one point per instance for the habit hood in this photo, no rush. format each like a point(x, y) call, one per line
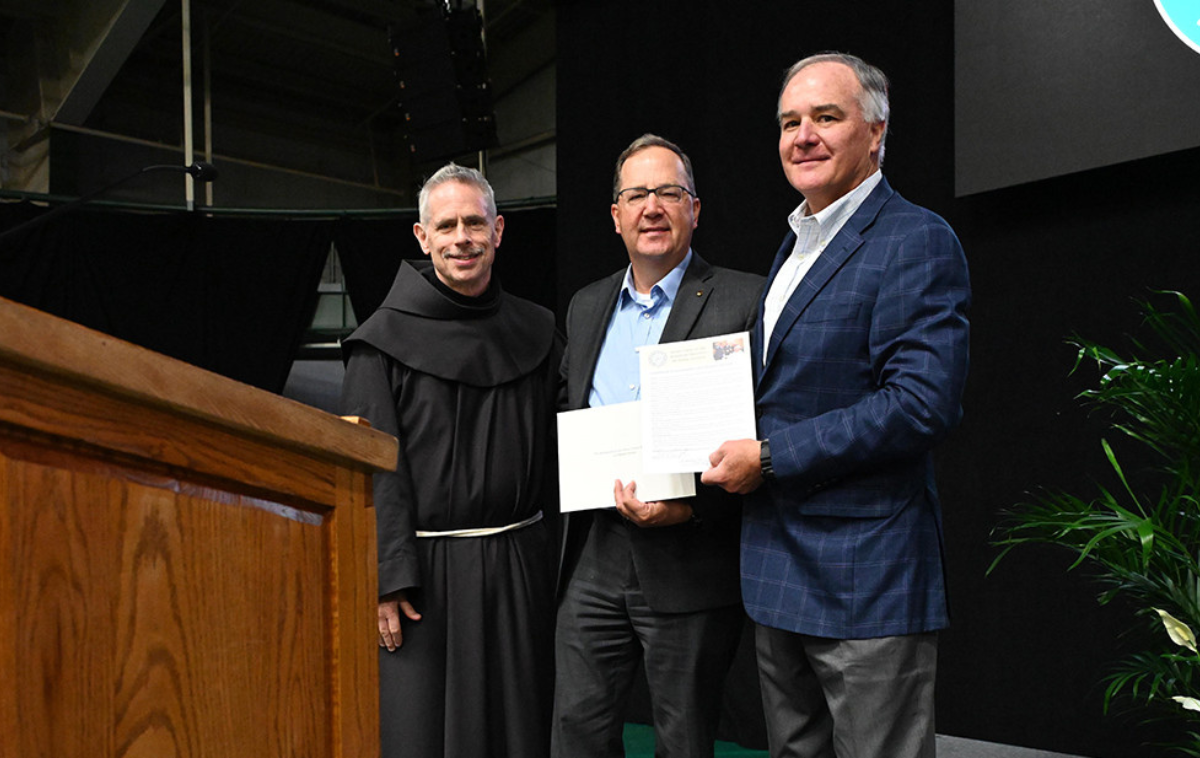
point(483, 342)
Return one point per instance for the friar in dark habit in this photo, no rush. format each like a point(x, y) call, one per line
point(464, 375)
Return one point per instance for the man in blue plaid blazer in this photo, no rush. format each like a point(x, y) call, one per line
point(861, 354)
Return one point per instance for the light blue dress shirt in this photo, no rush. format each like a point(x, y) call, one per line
point(637, 320)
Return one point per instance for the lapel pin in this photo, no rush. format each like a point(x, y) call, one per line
point(699, 293)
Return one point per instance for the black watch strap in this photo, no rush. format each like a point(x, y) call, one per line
point(764, 460)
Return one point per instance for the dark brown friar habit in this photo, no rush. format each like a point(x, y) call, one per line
point(468, 387)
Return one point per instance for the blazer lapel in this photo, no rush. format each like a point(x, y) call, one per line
point(694, 290)
point(756, 339)
point(832, 259)
point(594, 320)
point(693, 293)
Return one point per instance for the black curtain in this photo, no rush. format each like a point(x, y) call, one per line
point(230, 295)
point(371, 251)
point(233, 296)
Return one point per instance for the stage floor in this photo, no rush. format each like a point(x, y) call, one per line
point(639, 743)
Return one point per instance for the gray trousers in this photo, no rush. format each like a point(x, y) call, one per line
point(826, 698)
point(605, 628)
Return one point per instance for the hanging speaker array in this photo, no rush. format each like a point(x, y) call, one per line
point(445, 93)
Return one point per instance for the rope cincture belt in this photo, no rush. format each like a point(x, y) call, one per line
point(484, 531)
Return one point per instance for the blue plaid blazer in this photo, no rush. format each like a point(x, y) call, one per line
point(864, 374)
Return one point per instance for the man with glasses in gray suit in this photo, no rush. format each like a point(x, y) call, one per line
point(654, 583)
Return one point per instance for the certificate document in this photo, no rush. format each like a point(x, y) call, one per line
point(599, 445)
point(696, 394)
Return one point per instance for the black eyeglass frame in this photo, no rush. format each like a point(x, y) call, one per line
point(654, 191)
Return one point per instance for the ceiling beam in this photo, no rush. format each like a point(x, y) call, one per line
point(374, 53)
point(386, 11)
point(361, 38)
point(99, 39)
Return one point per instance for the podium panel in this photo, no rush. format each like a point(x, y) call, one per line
point(188, 562)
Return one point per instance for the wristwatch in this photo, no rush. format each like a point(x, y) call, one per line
point(764, 460)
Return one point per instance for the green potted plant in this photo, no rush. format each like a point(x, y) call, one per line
point(1142, 539)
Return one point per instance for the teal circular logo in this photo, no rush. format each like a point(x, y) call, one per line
point(1183, 16)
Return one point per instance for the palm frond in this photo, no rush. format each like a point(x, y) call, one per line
point(1144, 548)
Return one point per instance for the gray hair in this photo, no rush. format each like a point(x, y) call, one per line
point(652, 140)
point(452, 172)
point(873, 83)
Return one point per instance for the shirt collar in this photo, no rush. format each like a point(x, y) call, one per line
point(667, 287)
point(836, 213)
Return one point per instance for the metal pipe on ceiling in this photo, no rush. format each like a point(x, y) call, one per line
point(216, 157)
point(189, 187)
point(208, 122)
point(483, 41)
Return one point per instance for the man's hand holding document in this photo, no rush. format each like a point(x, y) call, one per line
point(597, 446)
point(695, 395)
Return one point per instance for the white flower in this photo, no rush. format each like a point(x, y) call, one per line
point(1179, 633)
point(1188, 703)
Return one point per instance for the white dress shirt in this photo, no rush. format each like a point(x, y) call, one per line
point(813, 233)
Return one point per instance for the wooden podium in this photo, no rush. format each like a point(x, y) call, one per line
point(188, 562)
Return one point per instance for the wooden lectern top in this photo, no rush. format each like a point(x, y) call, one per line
point(39, 343)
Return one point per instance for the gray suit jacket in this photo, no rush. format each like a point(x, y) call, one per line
point(686, 567)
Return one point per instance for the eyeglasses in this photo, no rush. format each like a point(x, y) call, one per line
point(670, 194)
